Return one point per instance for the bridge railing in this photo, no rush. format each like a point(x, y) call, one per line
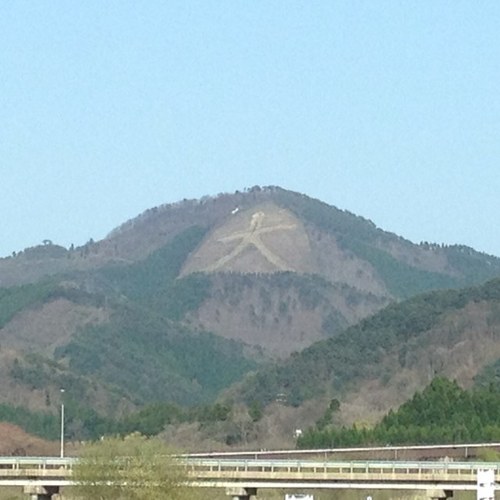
point(212, 470)
point(337, 470)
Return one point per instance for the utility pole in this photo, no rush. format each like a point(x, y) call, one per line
point(62, 423)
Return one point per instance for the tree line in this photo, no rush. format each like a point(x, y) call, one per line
point(442, 413)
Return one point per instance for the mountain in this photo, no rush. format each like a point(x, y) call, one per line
point(380, 362)
point(154, 310)
point(281, 270)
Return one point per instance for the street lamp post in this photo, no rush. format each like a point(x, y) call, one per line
point(62, 424)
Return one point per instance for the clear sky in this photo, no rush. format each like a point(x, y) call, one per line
point(389, 109)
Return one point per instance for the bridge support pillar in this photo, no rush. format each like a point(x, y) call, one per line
point(41, 492)
point(242, 493)
point(439, 494)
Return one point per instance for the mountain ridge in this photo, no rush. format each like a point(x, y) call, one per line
point(235, 281)
point(140, 236)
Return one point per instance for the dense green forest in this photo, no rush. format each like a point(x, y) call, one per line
point(152, 282)
point(148, 358)
point(441, 413)
point(82, 422)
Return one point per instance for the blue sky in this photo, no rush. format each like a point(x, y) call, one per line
point(389, 109)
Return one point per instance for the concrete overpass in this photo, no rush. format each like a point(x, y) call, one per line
point(242, 477)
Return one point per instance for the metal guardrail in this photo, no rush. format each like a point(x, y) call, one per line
point(464, 450)
point(36, 462)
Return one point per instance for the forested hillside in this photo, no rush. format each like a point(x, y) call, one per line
point(402, 339)
point(151, 313)
point(442, 413)
point(350, 266)
point(116, 349)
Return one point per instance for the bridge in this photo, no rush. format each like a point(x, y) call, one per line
point(42, 478)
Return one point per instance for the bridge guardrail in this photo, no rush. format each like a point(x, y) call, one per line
point(216, 471)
